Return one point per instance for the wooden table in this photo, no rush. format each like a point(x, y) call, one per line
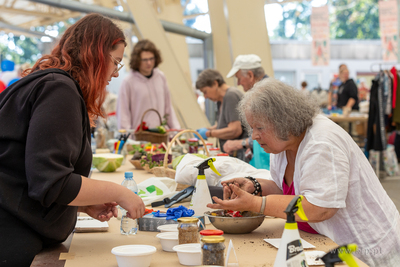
point(94, 249)
point(353, 117)
point(359, 132)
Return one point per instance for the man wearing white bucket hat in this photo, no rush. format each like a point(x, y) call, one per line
point(248, 70)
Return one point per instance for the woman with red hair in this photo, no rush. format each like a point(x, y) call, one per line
point(45, 153)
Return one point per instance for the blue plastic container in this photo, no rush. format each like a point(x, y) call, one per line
point(7, 65)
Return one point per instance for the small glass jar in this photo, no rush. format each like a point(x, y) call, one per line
point(193, 145)
point(201, 150)
point(214, 151)
point(176, 151)
point(212, 250)
point(188, 230)
point(209, 146)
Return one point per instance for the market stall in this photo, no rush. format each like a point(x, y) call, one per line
point(94, 249)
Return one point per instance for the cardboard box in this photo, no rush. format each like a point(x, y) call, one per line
point(150, 223)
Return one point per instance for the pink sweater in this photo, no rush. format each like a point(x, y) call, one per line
point(138, 94)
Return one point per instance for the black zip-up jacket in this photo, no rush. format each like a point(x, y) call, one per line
point(44, 150)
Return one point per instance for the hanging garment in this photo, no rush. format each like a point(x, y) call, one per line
point(376, 134)
point(396, 111)
point(394, 72)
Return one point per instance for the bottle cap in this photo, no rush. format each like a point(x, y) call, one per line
point(222, 154)
point(128, 174)
point(188, 219)
point(208, 232)
point(213, 239)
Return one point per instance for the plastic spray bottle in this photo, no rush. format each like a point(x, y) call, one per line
point(201, 194)
point(290, 252)
point(340, 254)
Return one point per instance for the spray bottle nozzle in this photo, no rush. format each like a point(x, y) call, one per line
point(208, 163)
point(340, 254)
point(295, 207)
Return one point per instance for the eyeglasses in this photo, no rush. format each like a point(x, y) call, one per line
point(118, 64)
point(147, 59)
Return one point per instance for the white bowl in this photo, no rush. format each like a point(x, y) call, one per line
point(189, 254)
point(168, 240)
point(168, 228)
point(134, 255)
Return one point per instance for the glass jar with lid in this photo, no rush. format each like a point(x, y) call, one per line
point(188, 230)
point(214, 151)
point(212, 250)
point(209, 145)
point(193, 145)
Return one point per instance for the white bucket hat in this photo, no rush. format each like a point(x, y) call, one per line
point(244, 62)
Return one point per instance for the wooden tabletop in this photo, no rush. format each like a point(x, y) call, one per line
point(94, 249)
point(353, 117)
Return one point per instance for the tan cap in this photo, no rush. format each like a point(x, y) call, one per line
point(245, 62)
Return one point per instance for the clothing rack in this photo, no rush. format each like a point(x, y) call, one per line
point(389, 64)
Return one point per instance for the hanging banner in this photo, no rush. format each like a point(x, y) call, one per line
point(320, 50)
point(389, 29)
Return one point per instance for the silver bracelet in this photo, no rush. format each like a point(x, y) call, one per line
point(264, 200)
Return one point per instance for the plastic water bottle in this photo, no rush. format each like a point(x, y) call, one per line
point(129, 226)
point(93, 144)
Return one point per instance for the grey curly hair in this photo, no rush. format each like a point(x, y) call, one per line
point(278, 106)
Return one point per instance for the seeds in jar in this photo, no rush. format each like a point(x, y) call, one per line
point(188, 234)
point(213, 253)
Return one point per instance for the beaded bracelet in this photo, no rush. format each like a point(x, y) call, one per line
point(257, 186)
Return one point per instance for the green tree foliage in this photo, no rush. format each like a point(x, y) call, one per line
point(20, 49)
point(349, 19)
point(295, 23)
point(360, 20)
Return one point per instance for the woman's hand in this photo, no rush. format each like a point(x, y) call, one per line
point(132, 203)
point(243, 200)
point(243, 183)
point(103, 212)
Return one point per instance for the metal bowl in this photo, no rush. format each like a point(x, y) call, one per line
point(235, 225)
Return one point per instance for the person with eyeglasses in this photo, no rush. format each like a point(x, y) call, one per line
point(45, 151)
point(145, 87)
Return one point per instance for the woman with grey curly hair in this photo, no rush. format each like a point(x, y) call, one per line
point(278, 106)
point(314, 157)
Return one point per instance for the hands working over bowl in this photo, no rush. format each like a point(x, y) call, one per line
point(237, 196)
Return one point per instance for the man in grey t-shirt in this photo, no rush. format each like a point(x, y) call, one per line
point(248, 70)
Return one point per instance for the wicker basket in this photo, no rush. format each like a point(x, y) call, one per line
point(141, 135)
point(164, 171)
point(137, 164)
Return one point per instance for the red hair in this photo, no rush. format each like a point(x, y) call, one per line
point(83, 52)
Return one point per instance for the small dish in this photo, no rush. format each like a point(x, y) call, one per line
point(168, 228)
point(189, 254)
point(168, 240)
point(134, 255)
